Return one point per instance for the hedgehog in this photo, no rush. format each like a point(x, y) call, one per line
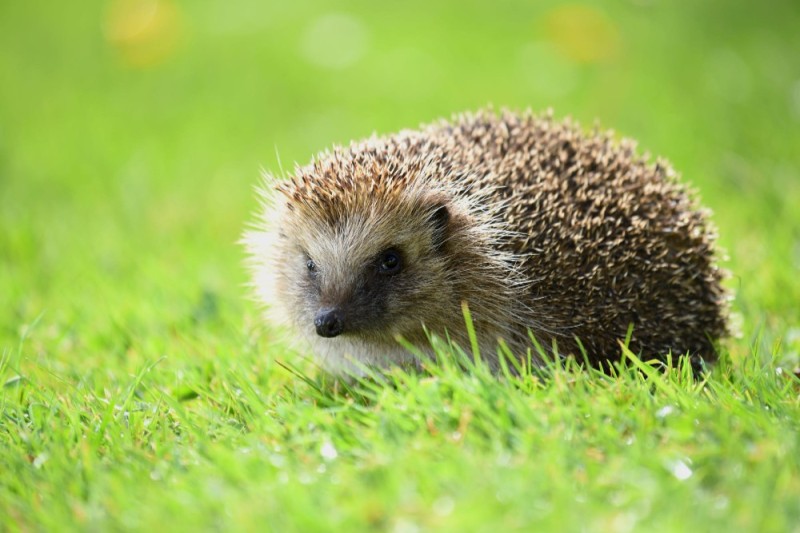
point(548, 236)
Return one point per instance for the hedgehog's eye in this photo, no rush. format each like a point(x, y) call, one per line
point(311, 266)
point(390, 262)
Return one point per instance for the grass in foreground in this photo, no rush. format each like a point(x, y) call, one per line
point(237, 442)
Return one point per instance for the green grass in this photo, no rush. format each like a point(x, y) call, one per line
point(139, 387)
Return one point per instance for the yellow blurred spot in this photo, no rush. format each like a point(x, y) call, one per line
point(144, 32)
point(582, 33)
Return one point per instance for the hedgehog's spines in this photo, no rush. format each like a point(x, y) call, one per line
point(564, 232)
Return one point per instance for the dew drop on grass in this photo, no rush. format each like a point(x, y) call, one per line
point(679, 469)
point(40, 460)
point(328, 451)
point(665, 411)
point(14, 381)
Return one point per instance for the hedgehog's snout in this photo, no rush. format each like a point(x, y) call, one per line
point(329, 322)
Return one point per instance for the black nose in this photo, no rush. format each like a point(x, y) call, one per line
point(329, 322)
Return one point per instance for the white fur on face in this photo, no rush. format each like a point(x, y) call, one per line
point(341, 253)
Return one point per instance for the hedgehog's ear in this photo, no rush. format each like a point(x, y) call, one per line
point(440, 220)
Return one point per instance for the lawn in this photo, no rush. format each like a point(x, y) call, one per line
point(140, 388)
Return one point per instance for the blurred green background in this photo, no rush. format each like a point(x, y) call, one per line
point(133, 131)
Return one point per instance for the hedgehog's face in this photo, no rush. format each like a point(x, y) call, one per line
point(370, 276)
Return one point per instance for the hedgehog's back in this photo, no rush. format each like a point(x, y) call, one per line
point(606, 239)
